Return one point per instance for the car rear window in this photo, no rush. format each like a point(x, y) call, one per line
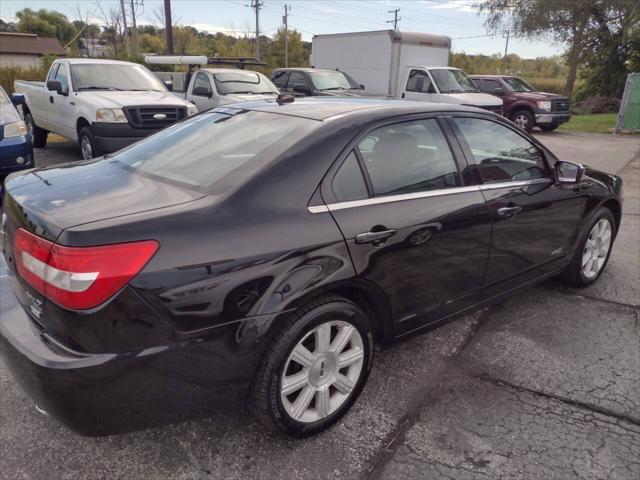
point(216, 149)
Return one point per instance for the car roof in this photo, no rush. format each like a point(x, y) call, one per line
point(304, 69)
point(491, 76)
point(323, 108)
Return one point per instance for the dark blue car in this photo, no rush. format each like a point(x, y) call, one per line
point(16, 149)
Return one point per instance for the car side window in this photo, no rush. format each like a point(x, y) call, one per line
point(296, 78)
point(202, 80)
point(409, 157)
point(499, 153)
point(280, 80)
point(53, 71)
point(61, 74)
point(419, 81)
point(489, 85)
point(348, 182)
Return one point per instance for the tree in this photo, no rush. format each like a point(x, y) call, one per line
point(46, 23)
point(298, 57)
point(565, 21)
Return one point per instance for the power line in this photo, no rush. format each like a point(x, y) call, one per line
point(256, 5)
point(395, 18)
point(285, 19)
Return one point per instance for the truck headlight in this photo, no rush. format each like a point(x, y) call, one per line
point(15, 129)
point(544, 106)
point(192, 110)
point(111, 115)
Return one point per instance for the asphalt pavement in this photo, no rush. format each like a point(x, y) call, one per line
point(545, 385)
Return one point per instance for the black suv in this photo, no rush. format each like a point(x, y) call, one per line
point(312, 82)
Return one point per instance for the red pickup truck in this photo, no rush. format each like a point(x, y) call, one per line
point(523, 105)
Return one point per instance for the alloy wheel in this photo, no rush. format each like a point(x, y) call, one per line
point(596, 248)
point(521, 121)
point(86, 148)
point(321, 371)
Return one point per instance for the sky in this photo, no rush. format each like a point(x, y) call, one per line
point(456, 18)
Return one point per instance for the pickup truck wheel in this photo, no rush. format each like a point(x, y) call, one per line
point(523, 119)
point(38, 135)
point(548, 128)
point(88, 147)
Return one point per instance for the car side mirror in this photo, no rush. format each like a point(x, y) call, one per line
point(301, 88)
point(55, 86)
point(17, 99)
point(362, 87)
point(499, 91)
point(169, 85)
point(568, 172)
point(202, 92)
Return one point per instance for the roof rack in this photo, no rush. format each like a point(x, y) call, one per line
point(202, 60)
point(240, 62)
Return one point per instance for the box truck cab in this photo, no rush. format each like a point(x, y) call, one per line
point(410, 65)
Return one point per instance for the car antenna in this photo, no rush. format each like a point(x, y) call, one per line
point(284, 98)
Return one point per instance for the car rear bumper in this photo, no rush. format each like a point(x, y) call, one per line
point(552, 118)
point(111, 137)
point(100, 394)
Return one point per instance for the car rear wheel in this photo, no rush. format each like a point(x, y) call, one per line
point(548, 128)
point(523, 119)
point(88, 146)
point(38, 135)
point(594, 249)
point(314, 367)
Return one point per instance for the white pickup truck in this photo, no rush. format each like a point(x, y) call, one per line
point(104, 105)
point(213, 87)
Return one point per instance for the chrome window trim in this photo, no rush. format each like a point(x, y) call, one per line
point(416, 195)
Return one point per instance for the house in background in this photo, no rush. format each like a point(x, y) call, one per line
point(26, 49)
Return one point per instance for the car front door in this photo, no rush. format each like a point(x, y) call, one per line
point(62, 105)
point(298, 79)
point(202, 85)
point(419, 86)
point(411, 225)
point(535, 218)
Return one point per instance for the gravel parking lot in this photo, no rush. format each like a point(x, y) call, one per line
point(543, 385)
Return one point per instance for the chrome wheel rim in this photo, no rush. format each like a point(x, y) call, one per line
point(85, 146)
point(321, 371)
point(596, 248)
point(521, 121)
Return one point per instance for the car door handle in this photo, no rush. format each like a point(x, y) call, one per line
point(51, 99)
point(377, 238)
point(509, 212)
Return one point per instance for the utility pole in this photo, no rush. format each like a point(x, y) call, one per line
point(127, 43)
point(134, 28)
point(285, 19)
point(168, 26)
point(396, 19)
point(256, 4)
point(506, 46)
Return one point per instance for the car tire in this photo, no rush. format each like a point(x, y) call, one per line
point(321, 391)
point(548, 128)
point(593, 250)
point(88, 146)
point(38, 135)
point(524, 120)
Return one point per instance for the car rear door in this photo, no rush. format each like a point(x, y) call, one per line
point(411, 224)
point(535, 219)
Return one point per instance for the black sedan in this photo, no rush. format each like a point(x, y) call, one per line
point(258, 252)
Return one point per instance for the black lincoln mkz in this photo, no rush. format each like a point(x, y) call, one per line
point(259, 251)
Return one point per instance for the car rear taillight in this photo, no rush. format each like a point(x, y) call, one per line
point(79, 277)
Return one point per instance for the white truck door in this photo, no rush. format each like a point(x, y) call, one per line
point(202, 92)
point(417, 84)
point(61, 106)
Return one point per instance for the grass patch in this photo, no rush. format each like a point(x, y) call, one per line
point(591, 123)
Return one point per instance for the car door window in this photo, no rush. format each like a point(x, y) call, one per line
point(489, 86)
point(348, 182)
point(61, 74)
point(499, 154)
point(202, 80)
point(53, 71)
point(280, 80)
point(409, 157)
point(296, 78)
point(420, 82)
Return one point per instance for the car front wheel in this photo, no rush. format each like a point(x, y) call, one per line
point(88, 146)
point(524, 120)
point(38, 135)
point(314, 367)
point(593, 251)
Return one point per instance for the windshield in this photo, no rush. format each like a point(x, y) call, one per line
point(518, 84)
point(333, 81)
point(243, 82)
point(8, 113)
point(452, 81)
point(114, 76)
point(221, 147)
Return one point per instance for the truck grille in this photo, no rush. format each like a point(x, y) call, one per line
point(494, 109)
point(561, 105)
point(143, 117)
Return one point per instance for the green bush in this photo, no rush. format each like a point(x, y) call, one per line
point(8, 75)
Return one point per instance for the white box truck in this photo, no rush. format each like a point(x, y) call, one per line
point(409, 65)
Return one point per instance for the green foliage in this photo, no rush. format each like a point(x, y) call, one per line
point(298, 55)
point(593, 123)
point(46, 23)
point(8, 75)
